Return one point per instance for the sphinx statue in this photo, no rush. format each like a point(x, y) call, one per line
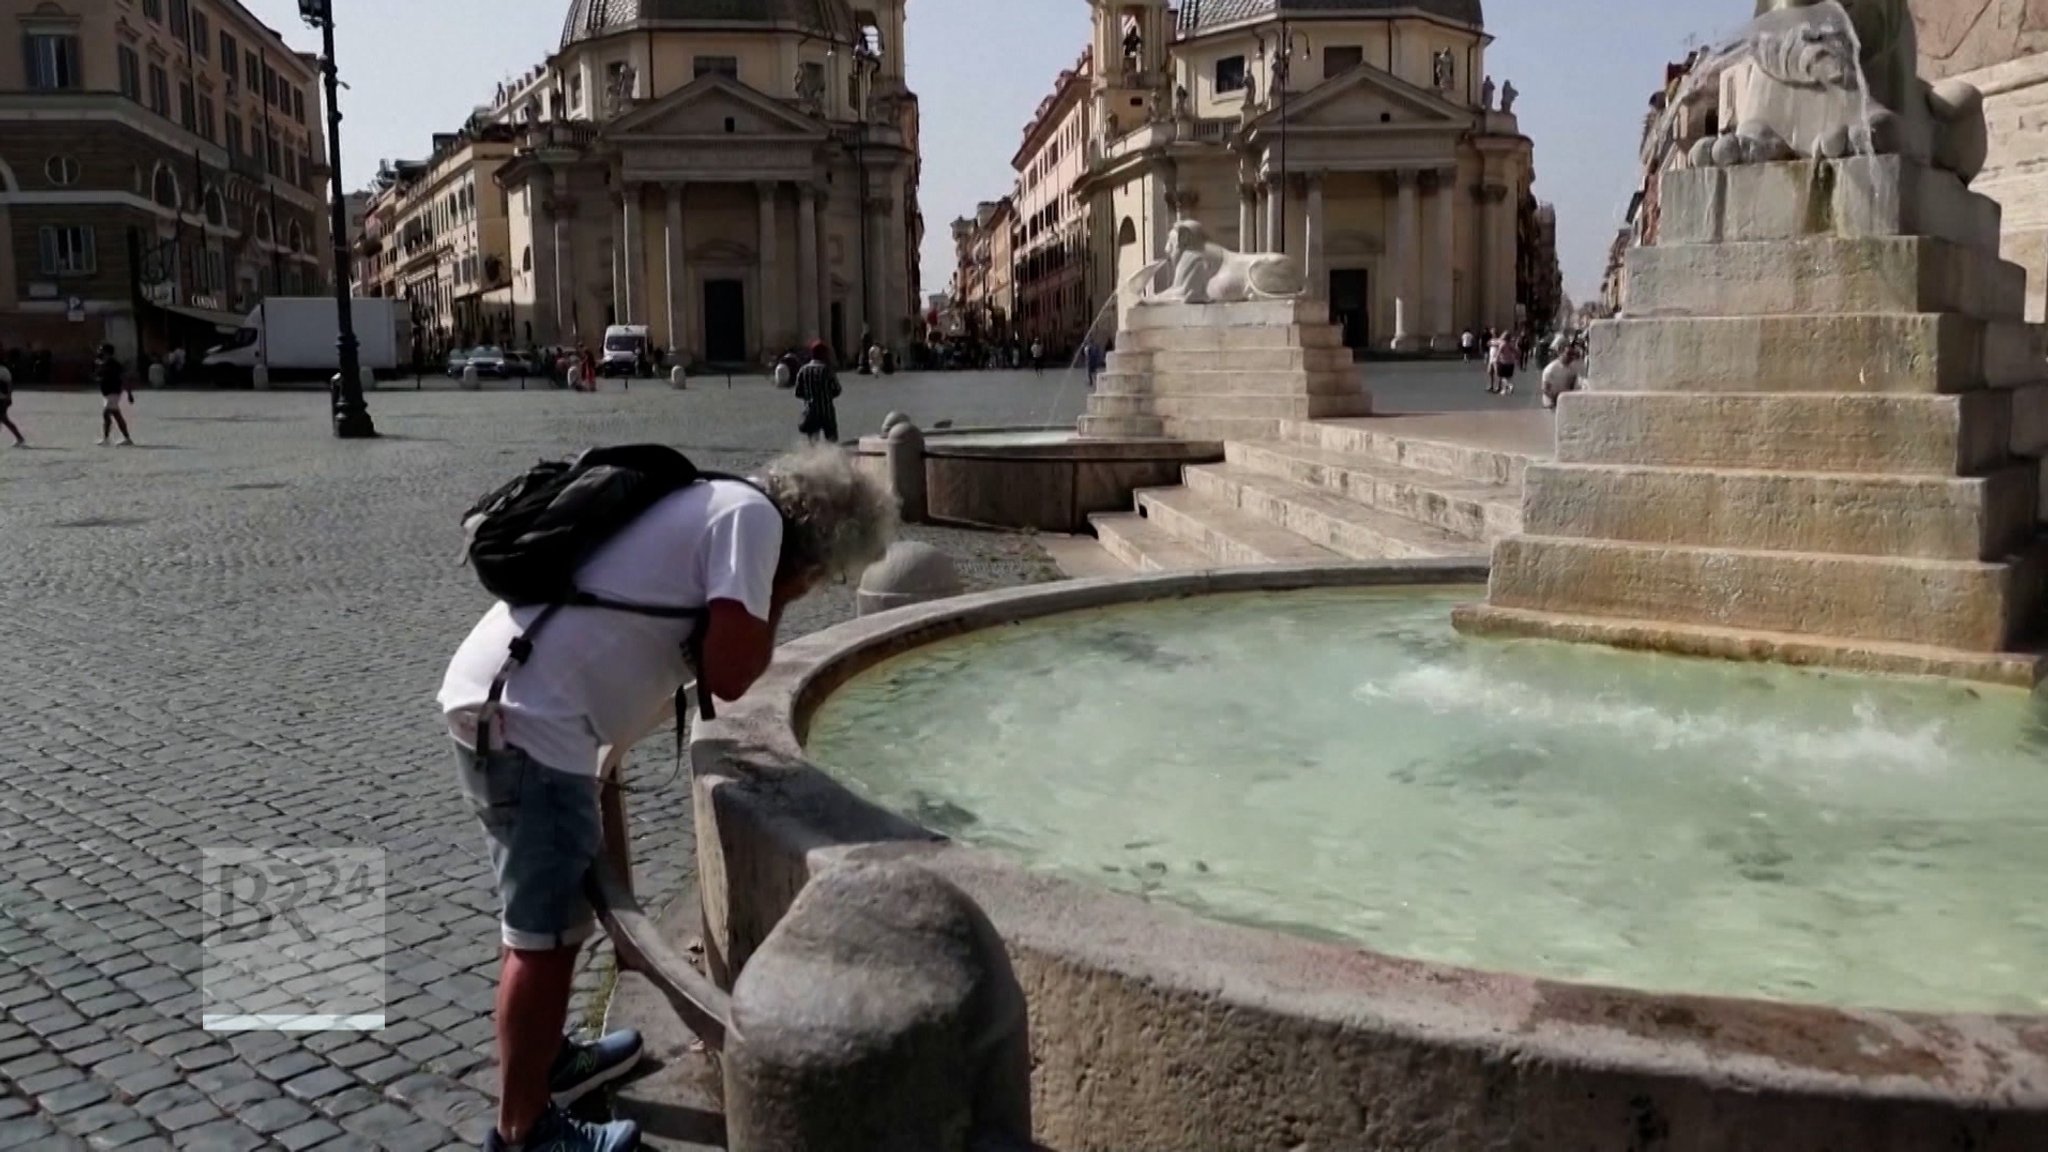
point(1810, 84)
point(1199, 271)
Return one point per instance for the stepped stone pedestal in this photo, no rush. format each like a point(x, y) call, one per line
point(1221, 371)
point(1813, 440)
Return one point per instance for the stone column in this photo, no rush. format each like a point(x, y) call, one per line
point(677, 274)
point(1407, 314)
point(1496, 257)
point(823, 288)
point(807, 262)
point(568, 320)
point(1312, 239)
point(547, 279)
point(875, 307)
point(1161, 210)
point(1247, 217)
point(769, 299)
point(1275, 235)
point(618, 257)
point(635, 311)
point(1443, 260)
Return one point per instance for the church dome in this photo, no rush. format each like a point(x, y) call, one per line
point(1201, 15)
point(588, 19)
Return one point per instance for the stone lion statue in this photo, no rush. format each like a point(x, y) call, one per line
point(1797, 92)
point(1198, 271)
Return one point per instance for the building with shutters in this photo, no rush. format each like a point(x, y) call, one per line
point(162, 168)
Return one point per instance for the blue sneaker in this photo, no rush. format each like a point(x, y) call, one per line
point(557, 1131)
point(581, 1069)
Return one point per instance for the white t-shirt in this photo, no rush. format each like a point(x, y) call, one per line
point(598, 675)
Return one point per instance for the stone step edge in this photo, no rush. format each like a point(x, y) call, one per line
point(1768, 554)
point(1120, 533)
point(1811, 475)
point(1506, 474)
point(1379, 523)
point(2019, 670)
point(1242, 529)
point(1390, 471)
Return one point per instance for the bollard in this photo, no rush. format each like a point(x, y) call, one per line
point(575, 378)
point(259, 378)
point(881, 1013)
point(892, 420)
point(157, 375)
point(470, 383)
point(913, 572)
point(905, 454)
point(677, 379)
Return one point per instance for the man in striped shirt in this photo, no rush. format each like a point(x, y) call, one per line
point(817, 385)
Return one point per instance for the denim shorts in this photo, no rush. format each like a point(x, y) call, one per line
point(544, 833)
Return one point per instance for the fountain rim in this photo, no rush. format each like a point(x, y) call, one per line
point(952, 443)
point(1959, 1060)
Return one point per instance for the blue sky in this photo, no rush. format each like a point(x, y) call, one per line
point(1585, 69)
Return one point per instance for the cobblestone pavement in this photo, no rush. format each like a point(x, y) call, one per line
point(231, 636)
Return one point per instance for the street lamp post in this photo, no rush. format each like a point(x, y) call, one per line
point(351, 413)
point(1282, 68)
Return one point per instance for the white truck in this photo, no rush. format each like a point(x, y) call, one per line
point(298, 337)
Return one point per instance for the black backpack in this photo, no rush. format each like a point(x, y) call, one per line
point(528, 539)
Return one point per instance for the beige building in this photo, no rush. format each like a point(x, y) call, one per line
point(1363, 138)
point(739, 178)
point(984, 282)
point(162, 168)
point(437, 234)
point(1052, 238)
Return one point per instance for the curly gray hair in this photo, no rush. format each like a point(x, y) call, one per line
point(837, 520)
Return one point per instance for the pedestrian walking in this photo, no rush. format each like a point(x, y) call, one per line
point(113, 386)
point(817, 386)
point(7, 402)
point(1038, 356)
point(1097, 361)
point(689, 581)
point(1506, 361)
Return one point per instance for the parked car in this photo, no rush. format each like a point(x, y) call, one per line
point(521, 364)
point(488, 361)
point(457, 361)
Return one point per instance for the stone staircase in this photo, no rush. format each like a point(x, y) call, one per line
point(1214, 371)
point(1815, 439)
point(1325, 491)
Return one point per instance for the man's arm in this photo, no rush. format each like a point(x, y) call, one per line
point(738, 647)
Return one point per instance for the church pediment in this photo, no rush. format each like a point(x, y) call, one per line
point(715, 105)
point(1366, 97)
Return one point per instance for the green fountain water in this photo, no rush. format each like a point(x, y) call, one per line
point(1341, 764)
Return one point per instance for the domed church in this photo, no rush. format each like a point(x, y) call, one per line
point(1363, 137)
point(739, 176)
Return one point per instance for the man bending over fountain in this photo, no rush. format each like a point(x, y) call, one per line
point(529, 732)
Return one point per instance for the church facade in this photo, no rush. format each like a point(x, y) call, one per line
point(741, 179)
point(1365, 139)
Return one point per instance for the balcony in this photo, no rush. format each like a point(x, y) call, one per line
point(559, 134)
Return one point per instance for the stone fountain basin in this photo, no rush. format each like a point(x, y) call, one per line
point(1045, 479)
point(1153, 1028)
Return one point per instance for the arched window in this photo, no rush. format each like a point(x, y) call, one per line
point(263, 228)
point(61, 170)
point(1127, 232)
point(216, 208)
point(163, 187)
point(298, 238)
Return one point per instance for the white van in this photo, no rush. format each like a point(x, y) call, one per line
point(626, 347)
